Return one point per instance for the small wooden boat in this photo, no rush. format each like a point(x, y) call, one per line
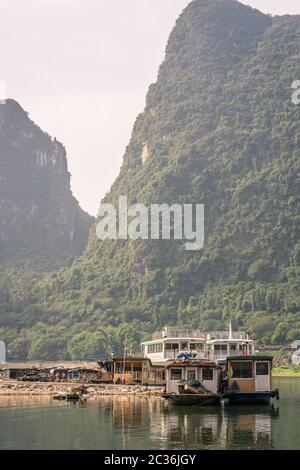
point(186, 399)
point(77, 394)
point(71, 397)
point(249, 381)
point(190, 391)
point(193, 382)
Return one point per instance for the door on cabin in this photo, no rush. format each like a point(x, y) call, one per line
point(191, 374)
point(262, 376)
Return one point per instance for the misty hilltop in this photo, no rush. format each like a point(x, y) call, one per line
point(39, 216)
point(219, 129)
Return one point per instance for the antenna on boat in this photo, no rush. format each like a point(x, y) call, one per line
point(124, 358)
point(230, 330)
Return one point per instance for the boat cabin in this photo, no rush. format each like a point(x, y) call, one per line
point(223, 344)
point(250, 374)
point(205, 372)
point(249, 380)
point(172, 343)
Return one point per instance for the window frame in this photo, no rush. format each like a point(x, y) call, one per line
point(172, 348)
point(206, 369)
point(258, 363)
point(234, 377)
point(177, 370)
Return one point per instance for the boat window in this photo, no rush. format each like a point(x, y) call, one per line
point(262, 368)
point(184, 345)
point(207, 374)
point(221, 347)
point(176, 374)
point(233, 347)
point(191, 374)
point(172, 346)
point(241, 370)
point(155, 348)
point(198, 346)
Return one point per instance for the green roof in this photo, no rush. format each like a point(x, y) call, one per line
point(250, 358)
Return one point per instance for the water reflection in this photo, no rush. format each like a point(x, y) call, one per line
point(191, 427)
point(143, 423)
point(223, 428)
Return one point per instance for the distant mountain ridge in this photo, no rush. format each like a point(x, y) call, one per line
point(219, 128)
point(39, 216)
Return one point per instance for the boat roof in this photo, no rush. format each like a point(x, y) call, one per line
point(194, 363)
point(163, 340)
point(38, 365)
point(250, 358)
point(230, 340)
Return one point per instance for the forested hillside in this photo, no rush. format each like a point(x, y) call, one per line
point(220, 129)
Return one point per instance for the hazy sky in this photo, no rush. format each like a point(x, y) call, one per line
point(82, 68)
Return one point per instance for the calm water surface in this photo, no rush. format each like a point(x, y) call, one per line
point(138, 423)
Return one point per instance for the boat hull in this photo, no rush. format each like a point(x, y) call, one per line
point(253, 398)
point(192, 399)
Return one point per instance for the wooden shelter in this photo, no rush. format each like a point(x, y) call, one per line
point(132, 370)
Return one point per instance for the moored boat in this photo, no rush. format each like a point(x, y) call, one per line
point(193, 382)
point(185, 399)
point(249, 381)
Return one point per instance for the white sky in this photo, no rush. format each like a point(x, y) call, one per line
point(82, 68)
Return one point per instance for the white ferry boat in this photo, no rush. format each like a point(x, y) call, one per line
point(183, 343)
point(222, 344)
point(170, 343)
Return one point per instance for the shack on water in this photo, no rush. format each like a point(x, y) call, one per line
point(249, 380)
point(52, 371)
point(206, 372)
point(131, 371)
point(14, 372)
point(61, 374)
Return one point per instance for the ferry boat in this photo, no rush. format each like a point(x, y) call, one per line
point(184, 343)
point(171, 343)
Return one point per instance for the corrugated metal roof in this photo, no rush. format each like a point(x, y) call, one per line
point(49, 365)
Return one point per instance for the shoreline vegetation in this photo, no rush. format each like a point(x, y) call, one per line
point(286, 371)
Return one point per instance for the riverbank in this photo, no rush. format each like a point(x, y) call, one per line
point(14, 388)
point(286, 372)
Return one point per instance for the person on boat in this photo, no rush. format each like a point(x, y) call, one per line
point(224, 384)
point(245, 349)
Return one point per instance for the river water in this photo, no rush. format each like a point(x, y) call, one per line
point(113, 423)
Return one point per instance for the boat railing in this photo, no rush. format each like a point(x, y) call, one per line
point(137, 355)
point(176, 352)
point(219, 335)
point(178, 333)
